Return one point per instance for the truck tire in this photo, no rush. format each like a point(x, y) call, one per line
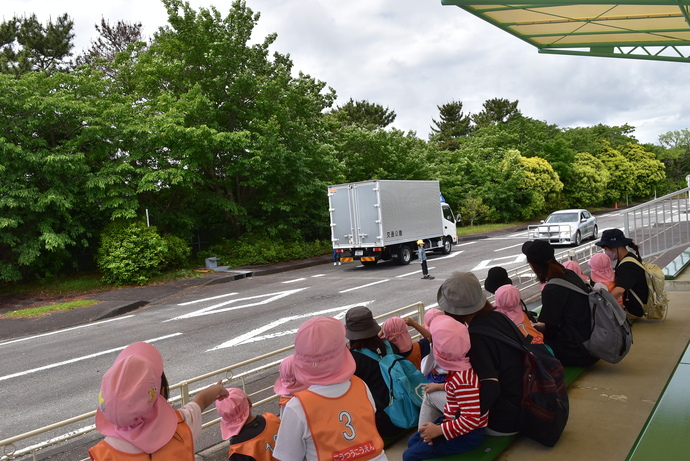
point(404, 255)
point(447, 246)
point(369, 263)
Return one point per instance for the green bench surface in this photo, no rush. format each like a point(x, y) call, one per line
point(665, 435)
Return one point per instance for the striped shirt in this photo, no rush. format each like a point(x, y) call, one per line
point(462, 408)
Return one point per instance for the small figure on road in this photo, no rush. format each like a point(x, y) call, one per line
point(336, 258)
point(421, 255)
point(251, 436)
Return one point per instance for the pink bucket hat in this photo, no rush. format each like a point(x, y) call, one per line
point(430, 315)
point(575, 267)
point(601, 268)
point(233, 411)
point(394, 330)
point(130, 405)
point(287, 383)
point(451, 342)
point(321, 353)
point(507, 301)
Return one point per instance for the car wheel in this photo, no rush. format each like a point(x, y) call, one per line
point(595, 234)
point(578, 239)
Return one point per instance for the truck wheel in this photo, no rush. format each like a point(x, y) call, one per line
point(404, 255)
point(369, 263)
point(447, 246)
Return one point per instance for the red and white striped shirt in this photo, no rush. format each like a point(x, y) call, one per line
point(462, 404)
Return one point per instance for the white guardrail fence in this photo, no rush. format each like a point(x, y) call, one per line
point(656, 226)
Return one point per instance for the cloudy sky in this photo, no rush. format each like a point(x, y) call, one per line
point(413, 55)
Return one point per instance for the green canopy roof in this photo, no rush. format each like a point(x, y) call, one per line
point(637, 29)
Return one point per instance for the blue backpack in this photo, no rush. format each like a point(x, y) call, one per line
point(405, 384)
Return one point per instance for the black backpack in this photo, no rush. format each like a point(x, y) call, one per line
point(544, 405)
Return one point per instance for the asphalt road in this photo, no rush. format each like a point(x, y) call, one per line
point(50, 377)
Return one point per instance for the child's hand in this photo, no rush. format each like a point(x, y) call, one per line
point(222, 391)
point(429, 432)
point(408, 321)
point(432, 387)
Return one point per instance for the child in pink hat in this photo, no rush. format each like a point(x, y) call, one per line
point(394, 330)
point(429, 368)
point(287, 384)
point(575, 267)
point(603, 274)
point(251, 436)
point(507, 301)
point(135, 416)
point(335, 417)
point(461, 426)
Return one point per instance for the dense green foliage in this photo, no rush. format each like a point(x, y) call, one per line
point(216, 139)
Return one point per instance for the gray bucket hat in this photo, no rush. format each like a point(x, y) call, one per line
point(461, 294)
point(360, 323)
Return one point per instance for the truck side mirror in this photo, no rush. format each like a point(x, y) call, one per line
point(458, 218)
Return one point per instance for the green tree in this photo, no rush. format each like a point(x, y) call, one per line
point(648, 172)
point(27, 46)
point(453, 124)
point(622, 174)
point(496, 111)
point(590, 180)
point(676, 156)
point(112, 39)
point(380, 154)
point(543, 183)
point(362, 114)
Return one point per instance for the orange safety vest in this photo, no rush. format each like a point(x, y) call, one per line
point(415, 356)
point(342, 428)
point(527, 329)
point(283, 400)
point(260, 447)
point(179, 448)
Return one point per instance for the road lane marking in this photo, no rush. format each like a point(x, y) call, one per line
point(215, 309)
point(66, 329)
point(487, 262)
point(509, 247)
point(464, 244)
point(413, 273)
point(449, 255)
point(364, 286)
point(207, 299)
point(250, 336)
point(295, 280)
point(79, 359)
point(318, 275)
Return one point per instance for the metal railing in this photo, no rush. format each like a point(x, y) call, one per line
point(660, 224)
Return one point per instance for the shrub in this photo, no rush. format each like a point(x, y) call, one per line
point(177, 252)
point(130, 252)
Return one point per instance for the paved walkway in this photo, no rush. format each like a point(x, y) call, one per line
point(609, 404)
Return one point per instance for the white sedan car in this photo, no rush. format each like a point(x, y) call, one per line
point(567, 227)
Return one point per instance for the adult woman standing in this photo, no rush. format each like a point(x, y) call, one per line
point(498, 365)
point(631, 281)
point(565, 313)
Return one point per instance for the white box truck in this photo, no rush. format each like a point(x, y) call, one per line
point(383, 219)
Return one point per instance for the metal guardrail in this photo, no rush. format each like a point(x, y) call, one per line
point(231, 376)
point(660, 224)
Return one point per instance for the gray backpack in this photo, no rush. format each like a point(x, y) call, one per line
point(611, 336)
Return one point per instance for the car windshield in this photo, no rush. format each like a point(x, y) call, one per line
point(562, 217)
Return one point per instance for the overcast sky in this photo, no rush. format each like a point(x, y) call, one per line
point(413, 55)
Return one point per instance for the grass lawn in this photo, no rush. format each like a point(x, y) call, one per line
point(34, 312)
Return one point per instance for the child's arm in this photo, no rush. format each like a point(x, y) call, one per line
point(423, 331)
point(210, 395)
point(463, 400)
